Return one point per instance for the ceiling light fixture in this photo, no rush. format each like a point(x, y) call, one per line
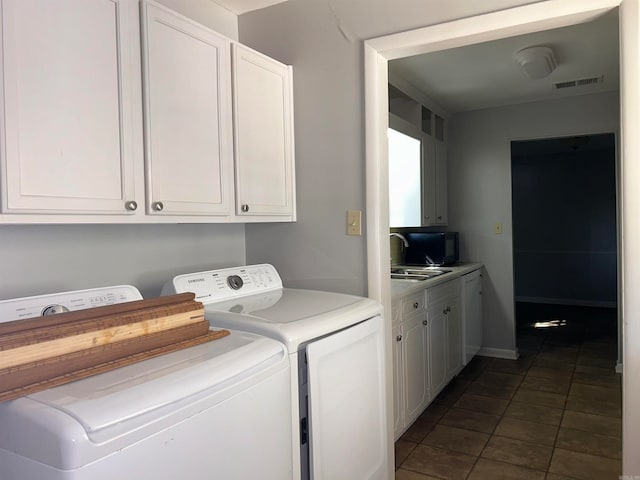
point(537, 62)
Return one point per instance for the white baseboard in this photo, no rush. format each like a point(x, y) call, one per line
point(499, 353)
point(566, 301)
point(618, 367)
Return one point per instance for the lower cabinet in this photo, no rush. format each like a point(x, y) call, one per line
point(427, 349)
point(437, 345)
point(398, 382)
point(410, 362)
point(454, 336)
point(416, 371)
point(471, 314)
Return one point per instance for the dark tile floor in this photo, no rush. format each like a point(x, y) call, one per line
point(555, 413)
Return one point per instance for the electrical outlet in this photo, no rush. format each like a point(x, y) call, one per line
point(497, 228)
point(354, 222)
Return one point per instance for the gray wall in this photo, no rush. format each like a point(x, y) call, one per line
point(323, 42)
point(480, 186)
point(38, 259)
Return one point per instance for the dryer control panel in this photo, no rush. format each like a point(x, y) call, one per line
point(226, 283)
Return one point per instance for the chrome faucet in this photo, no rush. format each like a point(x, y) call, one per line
point(401, 237)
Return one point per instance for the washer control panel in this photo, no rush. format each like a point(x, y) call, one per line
point(30, 307)
point(226, 283)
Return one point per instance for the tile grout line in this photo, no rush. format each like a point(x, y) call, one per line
point(479, 456)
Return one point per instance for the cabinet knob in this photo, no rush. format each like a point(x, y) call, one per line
point(244, 208)
point(439, 217)
point(424, 322)
point(131, 205)
point(444, 311)
point(158, 206)
point(448, 309)
point(399, 338)
point(416, 305)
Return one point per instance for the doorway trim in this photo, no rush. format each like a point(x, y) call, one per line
point(540, 16)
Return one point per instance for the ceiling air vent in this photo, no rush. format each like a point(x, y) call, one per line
point(583, 82)
point(560, 85)
point(589, 81)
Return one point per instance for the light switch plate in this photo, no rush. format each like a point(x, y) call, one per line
point(354, 222)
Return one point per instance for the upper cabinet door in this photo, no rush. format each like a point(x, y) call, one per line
point(442, 217)
point(188, 121)
point(71, 120)
point(263, 122)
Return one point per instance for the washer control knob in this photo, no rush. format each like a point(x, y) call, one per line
point(53, 309)
point(235, 282)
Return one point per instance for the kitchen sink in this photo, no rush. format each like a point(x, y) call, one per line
point(409, 276)
point(417, 273)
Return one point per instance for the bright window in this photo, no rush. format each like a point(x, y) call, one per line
point(404, 180)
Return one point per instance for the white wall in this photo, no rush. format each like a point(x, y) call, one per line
point(480, 186)
point(329, 125)
point(41, 259)
point(327, 74)
point(207, 13)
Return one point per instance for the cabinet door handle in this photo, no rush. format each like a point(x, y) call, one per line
point(244, 208)
point(416, 305)
point(399, 338)
point(158, 206)
point(424, 322)
point(131, 205)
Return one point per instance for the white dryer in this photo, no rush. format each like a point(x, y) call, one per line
point(336, 351)
point(216, 410)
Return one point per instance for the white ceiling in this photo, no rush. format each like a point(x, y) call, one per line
point(486, 75)
point(242, 6)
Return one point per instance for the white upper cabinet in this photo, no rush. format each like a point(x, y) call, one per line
point(188, 122)
point(263, 121)
point(417, 179)
point(122, 111)
point(434, 173)
point(434, 182)
point(71, 95)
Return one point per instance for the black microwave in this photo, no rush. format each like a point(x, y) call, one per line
point(433, 248)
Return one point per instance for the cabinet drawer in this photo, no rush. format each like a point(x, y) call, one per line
point(413, 304)
point(451, 288)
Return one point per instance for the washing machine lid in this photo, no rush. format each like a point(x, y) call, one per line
point(293, 316)
point(63, 425)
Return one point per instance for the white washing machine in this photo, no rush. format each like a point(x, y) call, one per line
point(216, 410)
point(336, 352)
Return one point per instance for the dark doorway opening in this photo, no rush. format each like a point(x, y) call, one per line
point(565, 242)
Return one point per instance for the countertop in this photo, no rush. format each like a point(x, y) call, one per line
point(400, 288)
